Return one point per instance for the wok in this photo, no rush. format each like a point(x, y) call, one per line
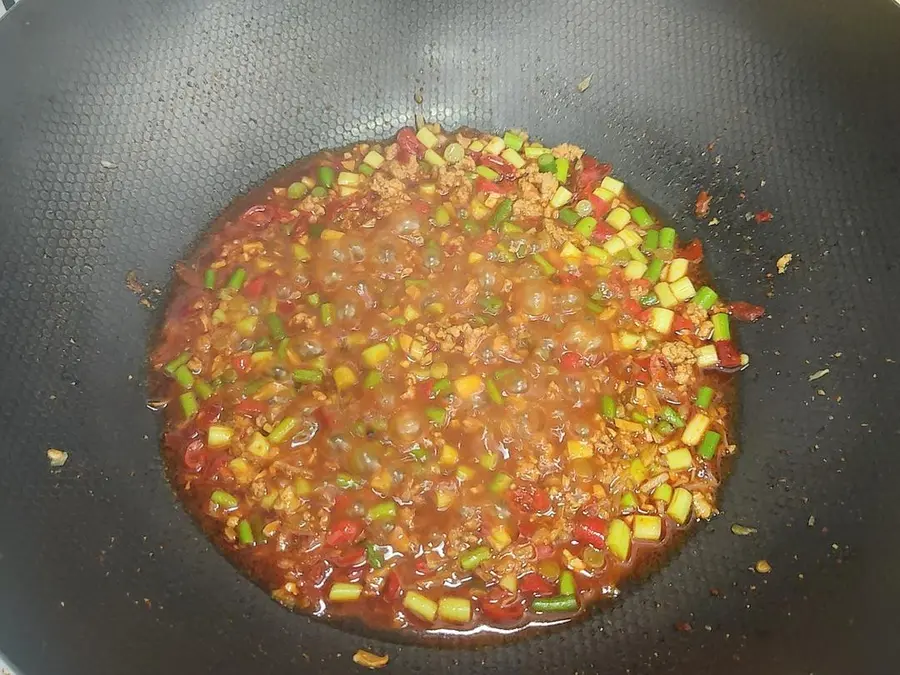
point(126, 126)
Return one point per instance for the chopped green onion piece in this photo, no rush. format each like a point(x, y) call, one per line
point(608, 407)
point(318, 192)
point(487, 172)
point(667, 238)
point(252, 387)
point(296, 190)
point(704, 397)
point(707, 448)
point(586, 226)
point(636, 255)
point(203, 389)
point(372, 379)
point(472, 558)
point(418, 454)
point(347, 482)
point(502, 212)
point(313, 299)
point(654, 270)
point(184, 377)
point(436, 415)
point(237, 278)
point(176, 363)
point(664, 428)
point(441, 386)
point(546, 163)
point(308, 376)
point(454, 153)
point(471, 228)
point(245, 533)
point(535, 151)
point(366, 170)
point(276, 327)
point(544, 264)
point(672, 417)
point(513, 141)
point(641, 217)
point(226, 500)
point(421, 606)
point(209, 279)
point(651, 240)
point(374, 557)
point(441, 217)
point(567, 583)
point(386, 510)
point(493, 391)
point(649, 300)
point(283, 429)
point(327, 313)
point(584, 208)
point(721, 327)
point(706, 297)
point(561, 603)
point(326, 175)
point(639, 417)
point(342, 591)
point(500, 483)
point(189, 404)
point(491, 305)
point(569, 216)
point(562, 169)
point(594, 306)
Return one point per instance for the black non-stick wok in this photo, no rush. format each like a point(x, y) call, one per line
point(127, 125)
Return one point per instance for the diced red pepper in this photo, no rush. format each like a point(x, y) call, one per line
point(527, 529)
point(541, 501)
point(499, 165)
point(729, 356)
point(344, 532)
point(425, 389)
point(570, 362)
point(744, 311)
point(195, 455)
point(255, 287)
point(422, 566)
point(251, 408)
point(616, 285)
point(591, 173)
point(353, 557)
point(218, 464)
point(535, 583)
point(601, 207)
point(500, 613)
point(482, 184)
point(391, 586)
point(693, 251)
point(681, 323)
point(421, 207)
point(603, 232)
point(631, 307)
point(643, 285)
point(406, 139)
point(591, 530)
point(567, 278)
point(209, 413)
point(763, 216)
point(286, 308)
point(486, 242)
point(241, 362)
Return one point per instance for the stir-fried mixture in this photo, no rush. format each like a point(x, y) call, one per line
point(448, 381)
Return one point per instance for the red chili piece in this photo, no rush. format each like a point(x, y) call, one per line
point(729, 356)
point(482, 184)
point(763, 216)
point(591, 172)
point(391, 586)
point(251, 408)
point(693, 251)
point(255, 287)
point(501, 166)
point(241, 362)
point(591, 530)
point(701, 206)
point(406, 139)
point(744, 311)
point(570, 362)
point(195, 455)
point(344, 532)
point(535, 583)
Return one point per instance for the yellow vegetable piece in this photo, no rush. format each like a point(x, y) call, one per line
point(647, 528)
point(693, 432)
point(679, 459)
point(455, 610)
point(423, 607)
point(579, 449)
point(344, 377)
point(680, 507)
point(375, 355)
point(618, 538)
point(468, 386)
point(449, 456)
